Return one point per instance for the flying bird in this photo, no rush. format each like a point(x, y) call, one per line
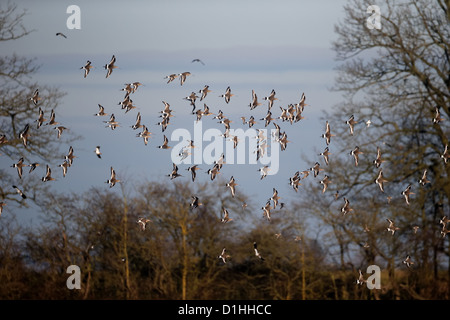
point(87, 67)
point(112, 180)
point(195, 202)
point(232, 185)
point(41, 118)
point(183, 77)
point(325, 182)
point(101, 111)
point(444, 221)
point(224, 256)
point(24, 135)
point(171, 77)
point(227, 95)
point(60, 130)
point(257, 253)
point(33, 166)
point(204, 92)
point(144, 134)
point(64, 167)
point(360, 279)
point(380, 180)
point(268, 118)
point(112, 123)
point(325, 155)
point(444, 232)
point(275, 197)
point(254, 102)
point(19, 165)
point(271, 98)
point(165, 144)
point(408, 261)
point(266, 210)
point(52, 120)
point(225, 216)
point(48, 175)
point(301, 105)
point(193, 172)
point(346, 207)
point(295, 181)
point(446, 154)
point(437, 117)
point(351, 123)
point(197, 60)
point(97, 152)
point(70, 156)
point(315, 169)
point(392, 228)
point(61, 35)
point(355, 153)
point(110, 66)
point(137, 123)
point(35, 98)
point(251, 121)
point(378, 161)
point(327, 135)
point(406, 193)
point(143, 223)
point(192, 98)
point(214, 171)
point(264, 171)
point(174, 174)
point(423, 181)
point(20, 192)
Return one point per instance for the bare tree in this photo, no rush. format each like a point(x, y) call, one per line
point(23, 135)
point(396, 86)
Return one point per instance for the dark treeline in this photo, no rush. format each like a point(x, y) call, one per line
point(177, 255)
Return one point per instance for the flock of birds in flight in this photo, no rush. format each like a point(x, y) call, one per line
point(380, 180)
point(291, 114)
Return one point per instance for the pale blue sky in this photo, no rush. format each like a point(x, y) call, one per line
point(259, 45)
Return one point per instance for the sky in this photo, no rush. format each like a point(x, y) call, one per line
point(247, 45)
